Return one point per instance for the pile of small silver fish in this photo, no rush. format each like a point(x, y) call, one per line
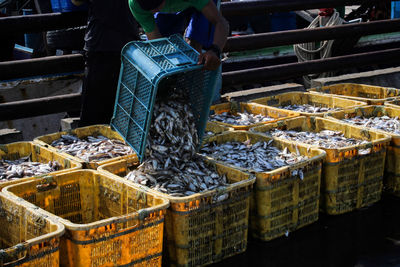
point(171, 164)
point(308, 108)
point(260, 157)
point(23, 167)
point(178, 181)
point(384, 123)
point(92, 148)
point(241, 118)
point(325, 138)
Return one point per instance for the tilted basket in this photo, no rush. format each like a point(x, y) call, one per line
point(152, 66)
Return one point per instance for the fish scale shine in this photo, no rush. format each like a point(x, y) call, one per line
point(384, 123)
point(308, 108)
point(243, 118)
point(325, 138)
point(171, 164)
point(260, 157)
point(92, 148)
point(24, 167)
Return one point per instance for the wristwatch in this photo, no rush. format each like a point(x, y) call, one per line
point(215, 49)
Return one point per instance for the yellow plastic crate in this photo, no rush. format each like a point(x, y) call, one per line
point(372, 95)
point(17, 150)
point(213, 128)
point(83, 132)
point(393, 103)
point(282, 202)
point(349, 181)
point(107, 221)
point(391, 180)
point(27, 238)
point(217, 128)
point(235, 107)
point(201, 230)
point(301, 98)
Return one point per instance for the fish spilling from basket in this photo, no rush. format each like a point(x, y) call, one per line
point(308, 108)
point(24, 167)
point(260, 157)
point(240, 119)
point(92, 148)
point(325, 138)
point(383, 123)
point(171, 164)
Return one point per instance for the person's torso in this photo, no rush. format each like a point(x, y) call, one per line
point(110, 25)
point(173, 6)
point(146, 18)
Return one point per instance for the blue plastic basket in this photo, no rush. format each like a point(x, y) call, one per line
point(66, 6)
point(144, 66)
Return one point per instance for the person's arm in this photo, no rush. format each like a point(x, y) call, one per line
point(210, 58)
point(145, 19)
point(155, 34)
point(79, 2)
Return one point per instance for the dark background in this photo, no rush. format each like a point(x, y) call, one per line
point(364, 238)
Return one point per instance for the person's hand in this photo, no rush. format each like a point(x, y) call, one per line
point(210, 60)
point(78, 2)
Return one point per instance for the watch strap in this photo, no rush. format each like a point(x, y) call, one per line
point(215, 49)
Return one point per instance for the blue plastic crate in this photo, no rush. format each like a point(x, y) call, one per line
point(66, 6)
point(145, 67)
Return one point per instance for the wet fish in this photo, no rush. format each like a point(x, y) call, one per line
point(171, 164)
point(24, 167)
point(92, 148)
point(260, 157)
point(325, 138)
point(308, 108)
point(244, 118)
point(190, 178)
point(384, 123)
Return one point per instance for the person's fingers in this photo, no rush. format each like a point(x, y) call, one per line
point(213, 63)
point(210, 61)
point(201, 58)
point(206, 62)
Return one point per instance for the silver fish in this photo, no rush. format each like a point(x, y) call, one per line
point(92, 148)
point(325, 138)
point(171, 164)
point(308, 108)
point(384, 123)
point(24, 167)
point(260, 157)
point(244, 118)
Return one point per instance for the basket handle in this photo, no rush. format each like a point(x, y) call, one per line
point(183, 64)
point(13, 250)
point(48, 183)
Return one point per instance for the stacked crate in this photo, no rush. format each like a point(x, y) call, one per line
point(283, 199)
point(350, 180)
point(106, 220)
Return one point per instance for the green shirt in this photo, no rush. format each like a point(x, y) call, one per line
point(146, 18)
